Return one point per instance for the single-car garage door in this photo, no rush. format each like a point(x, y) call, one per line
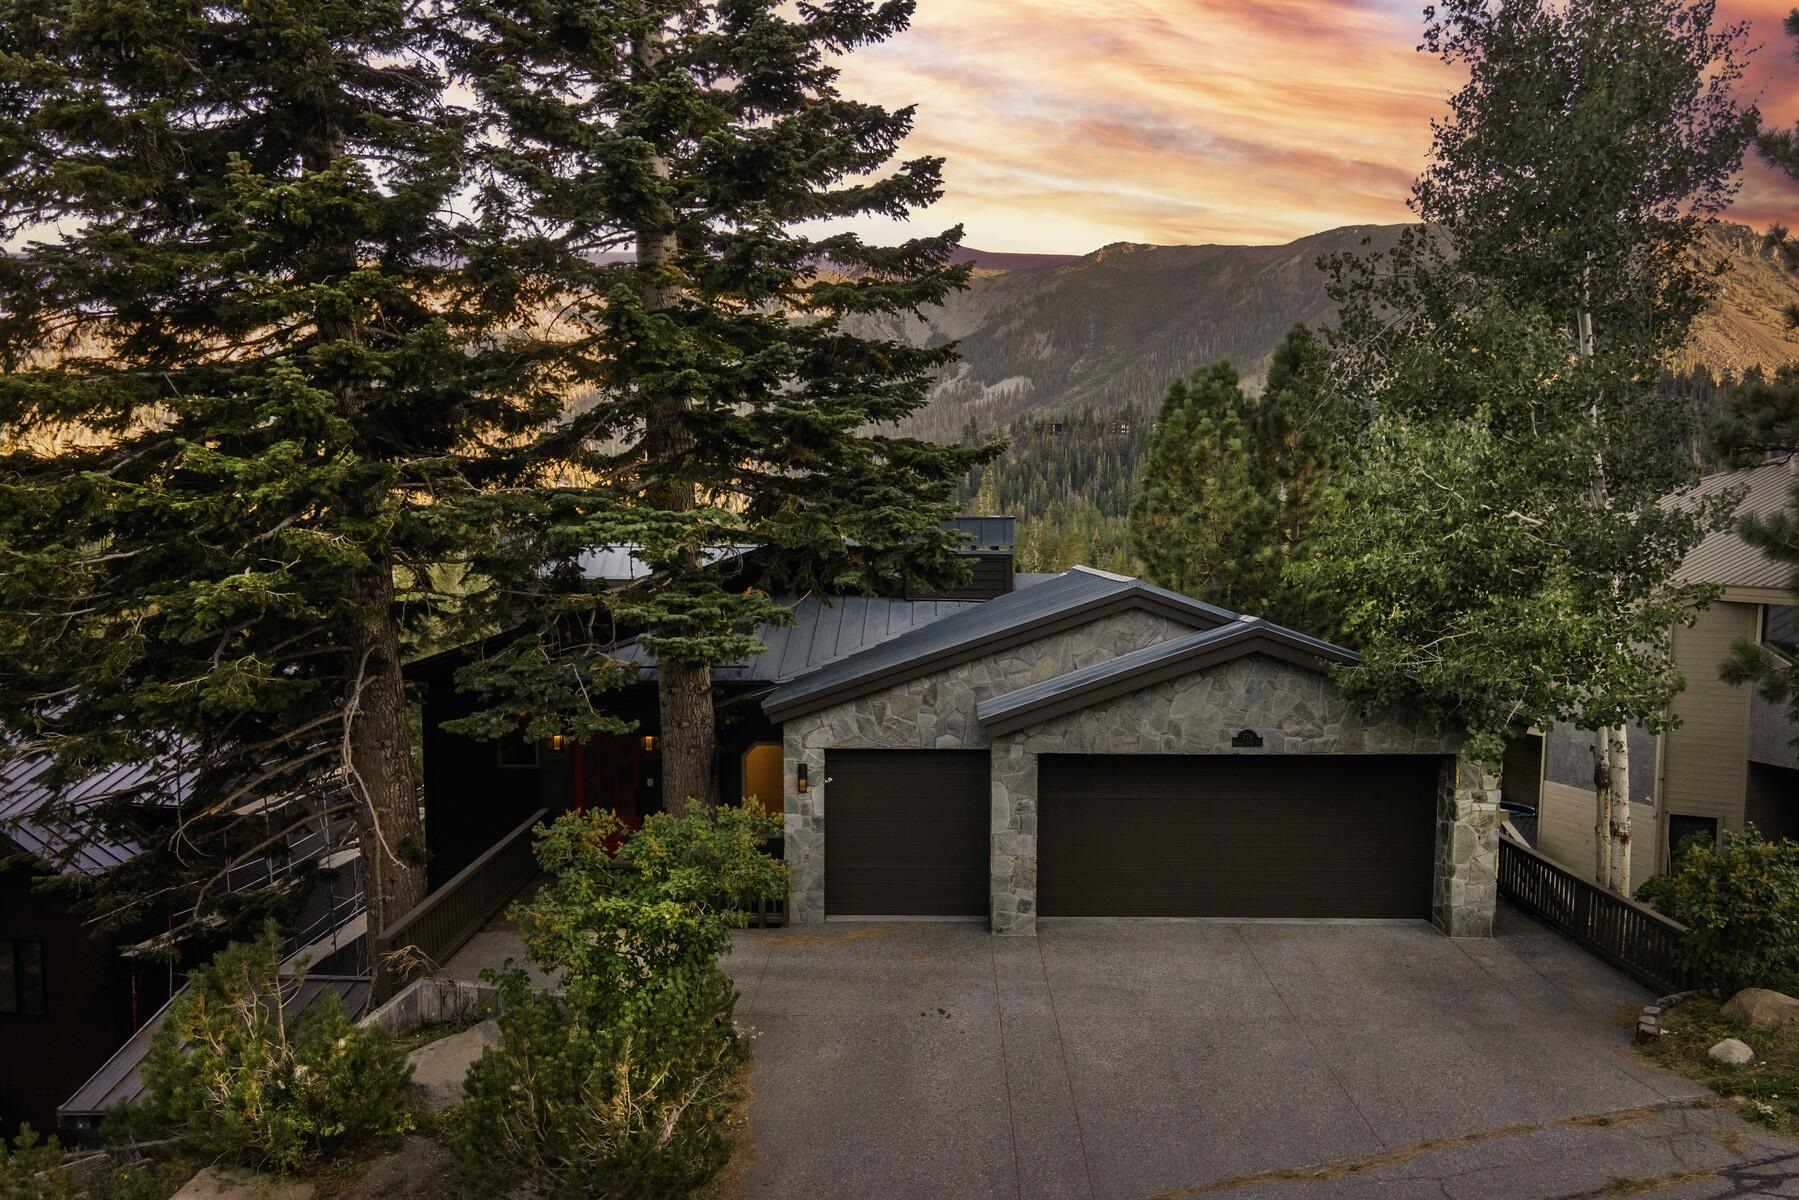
point(906, 833)
point(1236, 836)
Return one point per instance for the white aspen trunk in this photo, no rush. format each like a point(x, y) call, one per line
point(1602, 811)
point(1618, 764)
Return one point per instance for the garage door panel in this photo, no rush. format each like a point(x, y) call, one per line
point(906, 832)
point(1240, 836)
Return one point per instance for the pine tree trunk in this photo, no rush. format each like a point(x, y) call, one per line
point(379, 761)
point(684, 690)
point(1618, 764)
point(688, 735)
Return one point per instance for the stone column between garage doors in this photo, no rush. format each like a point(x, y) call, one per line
point(1296, 711)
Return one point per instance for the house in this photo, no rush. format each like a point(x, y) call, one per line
point(1080, 744)
point(1731, 760)
point(67, 997)
point(74, 1007)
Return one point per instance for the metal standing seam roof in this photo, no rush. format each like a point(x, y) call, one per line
point(1725, 558)
point(46, 821)
point(1152, 665)
point(117, 1079)
point(1076, 596)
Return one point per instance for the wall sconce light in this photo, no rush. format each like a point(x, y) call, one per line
point(1248, 739)
point(649, 743)
point(800, 780)
point(555, 741)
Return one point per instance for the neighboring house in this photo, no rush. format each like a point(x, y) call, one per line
point(72, 1004)
point(1082, 744)
point(1731, 760)
point(67, 997)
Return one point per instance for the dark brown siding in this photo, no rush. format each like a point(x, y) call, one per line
point(88, 1003)
point(906, 832)
point(1236, 836)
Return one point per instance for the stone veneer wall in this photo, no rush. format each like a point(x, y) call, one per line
point(931, 713)
point(1296, 711)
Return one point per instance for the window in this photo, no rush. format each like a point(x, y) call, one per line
point(1684, 829)
point(21, 977)
point(762, 770)
point(515, 751)
point(1778, 628)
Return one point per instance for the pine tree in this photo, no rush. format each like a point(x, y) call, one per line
point(1234, 485)
point(246, 396)
point(732, 403)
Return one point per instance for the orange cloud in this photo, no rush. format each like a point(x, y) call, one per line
point(1067, 124)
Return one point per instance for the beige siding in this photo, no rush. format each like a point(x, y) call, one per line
point(1705, 759)
point(1565, 831)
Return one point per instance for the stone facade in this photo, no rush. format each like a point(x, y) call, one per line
point(935, 712)
point(1465, 884)
point(1296, 711)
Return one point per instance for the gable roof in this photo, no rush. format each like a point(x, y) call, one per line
point(1073, 598)
point(1725, 558)
point(824, 630)
point(1152, 665)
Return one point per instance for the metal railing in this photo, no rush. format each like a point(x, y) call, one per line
point(446, 919)
point(1632, 937)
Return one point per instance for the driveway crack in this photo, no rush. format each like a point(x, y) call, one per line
point(1316, 1050)
point(1005, 1069)
point(1067, 1070)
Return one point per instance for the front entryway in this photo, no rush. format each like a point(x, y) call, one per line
point(906, 833)
point(1345, 836)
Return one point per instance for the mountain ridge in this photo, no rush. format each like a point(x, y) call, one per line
point(1109, 330)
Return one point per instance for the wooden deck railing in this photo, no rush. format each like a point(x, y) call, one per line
point(1632, 937)
point(446, 919)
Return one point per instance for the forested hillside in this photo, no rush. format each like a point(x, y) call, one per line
point(1061, 360)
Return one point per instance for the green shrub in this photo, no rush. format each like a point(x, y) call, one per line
point(621, 1085)
point(579, 1101)
point(1740, 904)
point(236, 1074)
point(33, 1170)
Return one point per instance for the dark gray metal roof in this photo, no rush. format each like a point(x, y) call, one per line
point(1725, 558)
point(1073, 598)
point(824, 630)
point(117, 1079)
point(48, 821)
point(1152, 665)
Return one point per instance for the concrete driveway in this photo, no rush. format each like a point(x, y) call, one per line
point(1120, 1060)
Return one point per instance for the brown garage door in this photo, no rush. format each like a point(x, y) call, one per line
point(906, 833)
point(1236, 836)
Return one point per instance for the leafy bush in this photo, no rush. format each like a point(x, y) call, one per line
point(1740, 902)
point(237, 1074)
point(620, 1086)
point(580, 1102)
point(33, 1170)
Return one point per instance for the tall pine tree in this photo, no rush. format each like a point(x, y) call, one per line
point(244, 403)
point(1235, 484)
point(667, 181)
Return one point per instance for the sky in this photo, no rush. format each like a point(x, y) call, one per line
point(1071, 124)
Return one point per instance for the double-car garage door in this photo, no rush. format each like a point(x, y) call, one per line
point(907, 834)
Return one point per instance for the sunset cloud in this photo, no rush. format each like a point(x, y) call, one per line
point(1069, 124)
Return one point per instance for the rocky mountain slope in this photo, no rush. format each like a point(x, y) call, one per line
point(1111, 329)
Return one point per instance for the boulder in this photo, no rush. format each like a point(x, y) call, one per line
point(236, 1183)
point(1732, 1053)
point(438, 1068)
point(1760, 1008)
